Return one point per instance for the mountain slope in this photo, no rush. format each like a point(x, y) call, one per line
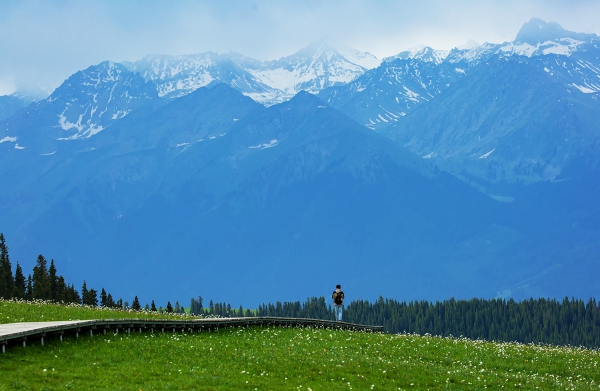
point(514, 119)
point(10, 104)
point(283, 203)
point(86, 103)
point(294, 190)
point(384, 96)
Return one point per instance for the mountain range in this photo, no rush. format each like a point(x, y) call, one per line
point(431, 174)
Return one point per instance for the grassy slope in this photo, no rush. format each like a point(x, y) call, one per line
point(11, 312)
point(280, 359)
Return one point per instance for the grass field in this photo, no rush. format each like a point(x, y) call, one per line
point(287, 359)
point(40, 311)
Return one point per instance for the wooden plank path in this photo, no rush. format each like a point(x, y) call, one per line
point(12, 333)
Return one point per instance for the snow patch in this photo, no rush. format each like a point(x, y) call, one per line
point(7, 138)
point(66, 125)
point(583, 89)
point(485, 155)
point(272, 143)
point(120, 114)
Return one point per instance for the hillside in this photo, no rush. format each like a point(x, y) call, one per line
point(281, 358)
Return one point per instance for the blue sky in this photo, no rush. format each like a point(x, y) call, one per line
point(42, 42)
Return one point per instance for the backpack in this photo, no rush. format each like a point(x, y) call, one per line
point(338, 298)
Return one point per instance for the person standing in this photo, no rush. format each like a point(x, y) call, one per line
point(338, 302)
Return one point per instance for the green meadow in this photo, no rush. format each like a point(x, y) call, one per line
point(281, 359)
point(12, 311)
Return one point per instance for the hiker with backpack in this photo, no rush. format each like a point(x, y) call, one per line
point(338, 302)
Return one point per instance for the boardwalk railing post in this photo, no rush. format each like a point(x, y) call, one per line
point(42, 339)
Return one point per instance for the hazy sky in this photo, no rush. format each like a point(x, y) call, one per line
point(43, 42)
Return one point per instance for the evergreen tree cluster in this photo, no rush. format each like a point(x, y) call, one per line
point(570, 322)
point(567, 322)
point(313, 308)
point(196, 307)
point(43, 284)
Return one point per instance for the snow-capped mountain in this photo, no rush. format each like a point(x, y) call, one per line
point(527, 110)
point(311, 69)
point(423, 53)
point(514, 118)
point(176, 76)
point(85, 104)
point(383, 96)
point(107, 175)
point(386, 94)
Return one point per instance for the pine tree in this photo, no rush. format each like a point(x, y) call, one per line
point(109, 301)
point(169, 307)
point(41, 279)
point(147, 307)
point(53, 281)
point(153, 307)
point(196, 306)
point(61, 289)
point(19, 290)
point(177, 308)
point(136, 304)
point(7, 281)
point(84, 294)
point(71, 295)
point(103, 298)
point(120, 303)
point(92, 297)
point(29, 291)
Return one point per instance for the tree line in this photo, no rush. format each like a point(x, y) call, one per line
point(44, 283)
point(567, 322)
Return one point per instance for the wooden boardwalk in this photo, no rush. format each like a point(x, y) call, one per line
point(15, 333)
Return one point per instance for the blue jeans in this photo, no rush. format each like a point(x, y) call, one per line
point(338, 311)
